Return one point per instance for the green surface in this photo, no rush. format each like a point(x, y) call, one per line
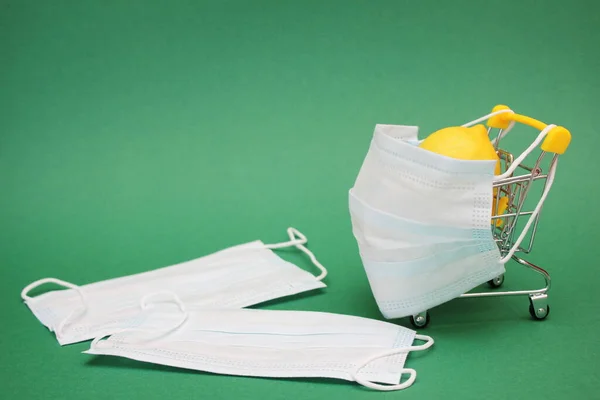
point(136, 134)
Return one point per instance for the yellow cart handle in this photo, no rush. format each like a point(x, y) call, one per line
point(558, 138)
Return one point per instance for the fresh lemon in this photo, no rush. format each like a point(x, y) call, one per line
point(501, 209)
point(466, 144)
point(463, 144)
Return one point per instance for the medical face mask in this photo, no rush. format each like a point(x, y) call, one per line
point(412, 268)
point(269, 343)
point(236, 277)
point(422, 222)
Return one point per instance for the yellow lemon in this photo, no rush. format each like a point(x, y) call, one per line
point(502, 206)
point(464, 144)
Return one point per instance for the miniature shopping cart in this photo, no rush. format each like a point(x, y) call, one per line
point(509, 210)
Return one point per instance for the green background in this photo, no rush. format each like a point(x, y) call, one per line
point(137, 134)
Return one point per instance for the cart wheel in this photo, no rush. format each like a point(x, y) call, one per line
point(420, 320)
point(497, 281)
point(540, 313)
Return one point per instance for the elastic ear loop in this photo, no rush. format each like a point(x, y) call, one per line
point(504, 133)
point(514, 165)
point(71, 317)
point(486, 117)
point(144, 305)
point(523, 155)
point(550, 180)
point(175, 299)
point(412, 373)
point(297, 239)
point(534, 214)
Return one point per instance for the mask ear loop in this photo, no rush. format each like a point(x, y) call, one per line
point(412, 373)
point(486, 117)
point(504, 133)
point(74, 315)
point(298, 240)
point(145, 306)
point(550, 180)
point(175, 299)
point(534, 214)
point(514, 165)
point(523, 155)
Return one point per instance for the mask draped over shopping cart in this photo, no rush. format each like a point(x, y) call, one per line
point(431, 228)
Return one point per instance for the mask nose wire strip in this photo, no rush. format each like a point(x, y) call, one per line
point(412, 373)
point(298, 240)
point(75, 314)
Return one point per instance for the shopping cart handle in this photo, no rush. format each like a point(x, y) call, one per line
point(558, 138)
point(557, 141)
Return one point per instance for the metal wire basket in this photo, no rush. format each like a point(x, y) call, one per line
point(509, 210)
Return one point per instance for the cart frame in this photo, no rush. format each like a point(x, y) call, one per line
point(514, 184)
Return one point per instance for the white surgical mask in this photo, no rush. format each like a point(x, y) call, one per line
point(236, 277)
point(415, 268)
point(268, 343)
point(422, 222)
